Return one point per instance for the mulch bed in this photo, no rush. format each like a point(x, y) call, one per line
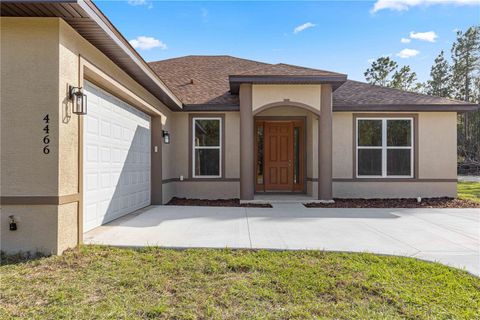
point(214, 203)
point(397, 203)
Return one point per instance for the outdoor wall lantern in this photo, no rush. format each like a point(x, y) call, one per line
point(79, 100)
point(166, 136)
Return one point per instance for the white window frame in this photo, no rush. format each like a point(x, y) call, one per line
point(219, 147)
point(384, 147)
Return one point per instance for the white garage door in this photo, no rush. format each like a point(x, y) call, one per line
point(116, 162)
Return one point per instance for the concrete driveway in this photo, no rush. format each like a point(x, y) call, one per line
point(449, 236)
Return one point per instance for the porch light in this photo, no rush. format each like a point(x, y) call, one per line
point(79, 100)
point(166, 136)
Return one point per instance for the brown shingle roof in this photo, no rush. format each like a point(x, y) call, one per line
point(204, 80)
point(282, 69)
point(364, 96)
point(209, 75)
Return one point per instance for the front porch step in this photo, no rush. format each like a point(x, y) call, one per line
point(284, 198)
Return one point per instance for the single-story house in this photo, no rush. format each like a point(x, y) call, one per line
point(91, 132)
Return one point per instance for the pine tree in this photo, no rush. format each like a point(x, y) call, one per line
point(404, 79)
point(440, 83)
point(380, 70)
point(465, 63)
point(465, 74)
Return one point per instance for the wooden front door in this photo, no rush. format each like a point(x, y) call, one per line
point(278, 155)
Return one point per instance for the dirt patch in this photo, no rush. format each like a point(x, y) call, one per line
point(397, 203)
point(214, 203)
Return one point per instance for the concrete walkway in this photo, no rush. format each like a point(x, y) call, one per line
point(469, 178)
point(449, 236)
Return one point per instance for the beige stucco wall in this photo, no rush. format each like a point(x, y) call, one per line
point(29, 87)
point(29, 91)
point(263, 94)
point(342, 140)
point(67, 226)
point(372, 190)
point(205, 189)
point(179, 153)
point(437, 145)
point(437, 159)
point(37, 229)
point(40, 58)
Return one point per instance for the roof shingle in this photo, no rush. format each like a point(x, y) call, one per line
point(209, 74)
point(282, 69)
point(204, 80)
point(355, 93)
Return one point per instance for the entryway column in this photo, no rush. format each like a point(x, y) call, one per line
point(247, 161)
point(156, 161)
point(325, 144)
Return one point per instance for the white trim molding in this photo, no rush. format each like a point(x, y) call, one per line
point(384, 147)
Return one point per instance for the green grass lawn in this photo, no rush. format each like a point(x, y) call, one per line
point(469, 191)
point(111, 283)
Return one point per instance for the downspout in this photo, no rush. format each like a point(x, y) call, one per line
point(80, 164)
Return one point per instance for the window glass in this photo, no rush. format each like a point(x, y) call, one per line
point(260, 154)
point(384, 147)
point(296, 155)
point(369, 133)
point(207, 132)
point(399, 162)
point(206, 147)
point(207, 162)
point(399, 133)
point(370, 162)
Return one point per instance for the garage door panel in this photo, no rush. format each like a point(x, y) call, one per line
point(116, 158)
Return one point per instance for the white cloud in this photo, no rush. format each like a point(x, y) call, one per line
point(405, 40)
point(149, 4)
point(137, 2)
point(204, 13)
point(147, 43)
point(302, 27)
point(402, 5)
point(429, 36)
point(408, 53)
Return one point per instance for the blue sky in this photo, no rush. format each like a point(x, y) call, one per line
point(339, 36)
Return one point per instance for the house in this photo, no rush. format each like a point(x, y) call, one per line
point(91, 132)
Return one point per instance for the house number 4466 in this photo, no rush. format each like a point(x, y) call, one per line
point(46, 137)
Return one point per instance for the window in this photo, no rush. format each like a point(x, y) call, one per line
point(384, 147)
point(260, 137)
point(296, 155)
point(207, 151)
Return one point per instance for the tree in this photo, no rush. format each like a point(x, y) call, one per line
point(380, 73)
point(465, 63)
point(404, 79)
point(440, 83)
point(380, 70)
point(465, 74)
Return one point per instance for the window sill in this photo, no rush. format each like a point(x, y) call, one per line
point(206, 179)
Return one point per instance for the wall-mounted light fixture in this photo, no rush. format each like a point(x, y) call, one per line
point(166, 136)
point(13, 223)
point(79, 100)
